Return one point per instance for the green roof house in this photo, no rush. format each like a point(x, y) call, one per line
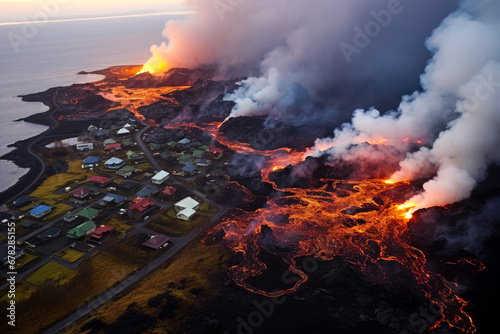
point(88, 213)
point(132, 156)
point(82, 230)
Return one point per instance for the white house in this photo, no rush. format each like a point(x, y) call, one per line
point(123, 132)
point(160, 177)
point(186, 208)
point(85, 147)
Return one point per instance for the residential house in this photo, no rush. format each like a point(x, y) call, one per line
point(88, 213)
point(101, 181)
point(216, 152)
point(161, 177)
point(148, 191)
point(185, 159)
point(98, 236)
point(189, 169)
point(157, 242)
point(82, 230)
point(128, 185)
point(108, 142)
point(49, 234)
point(22, 201)
point(140, 208)
point(84, 147)
point(186, 208)
point(169, 191)
point(4, 253)
point(204, 148)
point(172, 144)
point(123, 132)
point(41, 211)
point(80, 193)
point(92, 129)
point(126, 171)
point(184, 141)
point(70, 217)
point(101, 134)
point(112, 199)
point(155, 147)
point(198, 154)
point(203, 163)
point(134, 157)
point(129, 143)
point(113, 147)
point(91, 162)
point(114, 163)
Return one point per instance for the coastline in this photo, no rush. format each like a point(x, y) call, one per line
point(23, 157)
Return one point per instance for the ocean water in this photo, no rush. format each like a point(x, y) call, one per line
point(53, 57)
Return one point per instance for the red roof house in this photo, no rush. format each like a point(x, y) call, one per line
point(100, 180)
point(216, 152)
point(80, 193)
point(113, 147)
point(157, 242)
point(169, 191)
point(100, 233)
point(140, 207)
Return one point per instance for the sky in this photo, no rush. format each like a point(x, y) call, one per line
point(26, 10)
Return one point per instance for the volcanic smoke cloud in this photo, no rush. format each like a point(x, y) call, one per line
point(291, 53)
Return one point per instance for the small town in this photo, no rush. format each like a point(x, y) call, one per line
point(108, 199)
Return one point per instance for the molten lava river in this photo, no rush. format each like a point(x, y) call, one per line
point(356, 221)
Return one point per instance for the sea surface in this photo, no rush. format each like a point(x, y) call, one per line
point(52, 57)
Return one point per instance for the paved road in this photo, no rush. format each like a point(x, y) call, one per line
point(108, 295)
point(29, 150)
point(177, 245)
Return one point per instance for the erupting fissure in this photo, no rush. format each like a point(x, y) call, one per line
point(358, 221)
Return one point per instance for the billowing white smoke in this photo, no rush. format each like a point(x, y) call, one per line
point(463, 76)
point(321, 45)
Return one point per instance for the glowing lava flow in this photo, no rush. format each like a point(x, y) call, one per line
point(360, 224)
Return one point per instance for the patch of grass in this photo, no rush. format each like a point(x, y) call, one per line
point(119, 223)
point(46, 192)
point(25, 259)
point(174, 227)
point(51, 271)
point(194, 267)
point(144, 166)
point(23, 291)
point(70, 255)
point(3, 238)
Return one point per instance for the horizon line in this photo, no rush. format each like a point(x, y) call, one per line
point(185, 12)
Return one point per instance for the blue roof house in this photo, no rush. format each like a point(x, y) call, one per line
point(91, 162)
point(41, 211)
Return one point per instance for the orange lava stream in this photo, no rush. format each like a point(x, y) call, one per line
point(329, 222)
point(134, 98)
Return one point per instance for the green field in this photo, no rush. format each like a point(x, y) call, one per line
point(70, 255)
point(51, 271)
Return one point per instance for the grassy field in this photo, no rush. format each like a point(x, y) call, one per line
point(190, 270)
point(119, 223)
point(23, 291)
point(106, 271)
point(53, 271)
point(169, 224)
point(70, 255)
point(47, 191)
point(25, 259)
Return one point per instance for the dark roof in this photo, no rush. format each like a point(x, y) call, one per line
point(189, 168)
point(147, 191)
point(157, 241)
point(51, 232)
point(22, 201)
point(128, 185)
